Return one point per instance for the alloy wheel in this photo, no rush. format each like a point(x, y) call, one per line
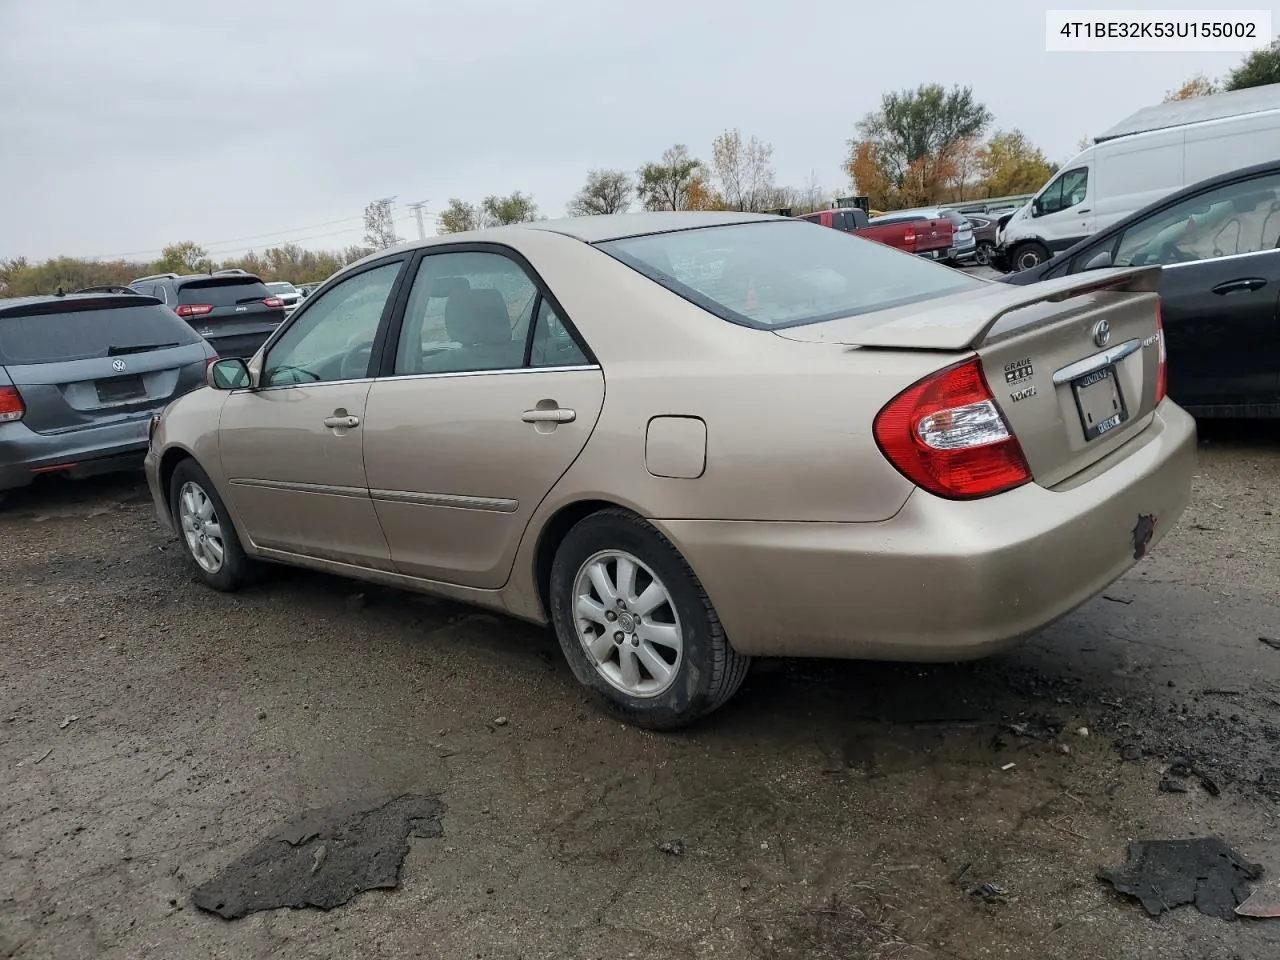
point(201, 527)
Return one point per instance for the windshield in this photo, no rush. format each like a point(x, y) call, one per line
point(770, 275)
point(224, 293)
point(82, 334)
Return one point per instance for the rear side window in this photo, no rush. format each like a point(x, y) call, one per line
point(770, 275)
point(84, 334)
point(221, 293)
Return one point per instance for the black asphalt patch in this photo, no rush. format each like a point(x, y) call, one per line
point(1164, 874)
point(324, 858)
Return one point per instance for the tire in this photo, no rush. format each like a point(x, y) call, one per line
point(675, 627)
point(982, 256)
point(1028, 255)
point(234, 568)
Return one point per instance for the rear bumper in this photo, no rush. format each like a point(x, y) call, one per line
point(942, 580)
point(25, 454)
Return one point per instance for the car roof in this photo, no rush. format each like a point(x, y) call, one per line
point(1243, 173)
point(27, 305)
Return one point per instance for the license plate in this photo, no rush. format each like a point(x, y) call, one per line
point(1100, 402)
point(120, 389)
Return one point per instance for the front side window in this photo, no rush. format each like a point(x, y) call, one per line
point(467, 311)
point(333, 338)
point(1066, 191)
point(1241, 217)
point(775, 274)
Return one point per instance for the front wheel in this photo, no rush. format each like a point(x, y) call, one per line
point(207, 533)
point(1028, 256)
point(636, 626)
point(982, 256)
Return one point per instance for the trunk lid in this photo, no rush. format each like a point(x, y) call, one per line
point(80, 364)
point(1072, 362)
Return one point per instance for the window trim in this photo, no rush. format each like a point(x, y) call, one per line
point(392, 302)
point(385, 368)
point(1060, 180)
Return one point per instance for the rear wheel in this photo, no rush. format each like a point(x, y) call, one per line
point(206, 530)
point(1027, 256)
point(982, 256)
point(636, 626)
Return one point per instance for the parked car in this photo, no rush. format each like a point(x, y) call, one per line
point(963, 247)
point(306, 289)
point(290, 296)
point(1217, 245)
point(231, 309)
point(985, 226)
point(109, 288)
point(1150, 155)
point(687, 439)
point(80, 377)
point(916, 234)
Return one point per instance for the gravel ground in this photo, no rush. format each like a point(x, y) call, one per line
point(154, 731)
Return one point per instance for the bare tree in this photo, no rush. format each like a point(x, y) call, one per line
point(745, 170)
point(606, 191)
point(379, 225)
point(665, 185)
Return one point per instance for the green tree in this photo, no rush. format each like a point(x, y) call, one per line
point(1009, 165)
point(606, 191)
point(665, 185)
point(497, 211)
point(457, 217)
point(1197, 86)
point(1259, 68)
point(184, 257)
point(913, 126)
point(379, 225)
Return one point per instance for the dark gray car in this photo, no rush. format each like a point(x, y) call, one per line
point(231, 309)
point(80, 377)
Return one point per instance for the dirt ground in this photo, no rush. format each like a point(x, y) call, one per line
point(826, 812)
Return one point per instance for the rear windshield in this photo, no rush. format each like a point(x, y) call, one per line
point(83, 334)
point(959, 219)
point(782, 274)
point(223, 293)
point(281, 287)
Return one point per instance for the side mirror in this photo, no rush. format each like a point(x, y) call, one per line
point(1037, 208)
point(229, 374)
point(1099, 261)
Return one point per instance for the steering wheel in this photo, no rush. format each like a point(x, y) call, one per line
point(1172, 253)
point(355, 365)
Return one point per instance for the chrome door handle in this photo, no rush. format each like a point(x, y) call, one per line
point(557, 415)
point(347, 422)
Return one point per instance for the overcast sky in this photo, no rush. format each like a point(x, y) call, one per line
point(237, 124)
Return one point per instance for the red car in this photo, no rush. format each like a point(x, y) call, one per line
point(926, 238)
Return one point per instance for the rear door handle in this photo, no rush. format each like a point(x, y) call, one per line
point(342, 422)
point(1240, 286)
point(556, 415)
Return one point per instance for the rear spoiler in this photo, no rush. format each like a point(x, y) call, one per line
point(963, 322)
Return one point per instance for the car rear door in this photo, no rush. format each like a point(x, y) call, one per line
point(90, 361)
point(292, 447)
point(488, 399)
point(236, 314)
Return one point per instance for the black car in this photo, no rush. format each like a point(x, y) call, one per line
point(231, 309)
point(1219, 245)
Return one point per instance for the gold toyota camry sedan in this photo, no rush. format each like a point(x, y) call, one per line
point(684, 440)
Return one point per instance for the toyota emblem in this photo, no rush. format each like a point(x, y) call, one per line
point(1102, 333)
point(118, 366)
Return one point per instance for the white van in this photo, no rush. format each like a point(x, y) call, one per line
point(1151, 154)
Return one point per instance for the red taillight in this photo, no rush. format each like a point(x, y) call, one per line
point(11, 405)
point(193, 309)
point(910, 239)
point(273, 302)
point(1162, 375)
point(945, 434)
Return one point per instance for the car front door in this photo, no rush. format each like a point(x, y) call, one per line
point(1063, 211)
point(291, 448)
point(488, 397)
point(1220, 290)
